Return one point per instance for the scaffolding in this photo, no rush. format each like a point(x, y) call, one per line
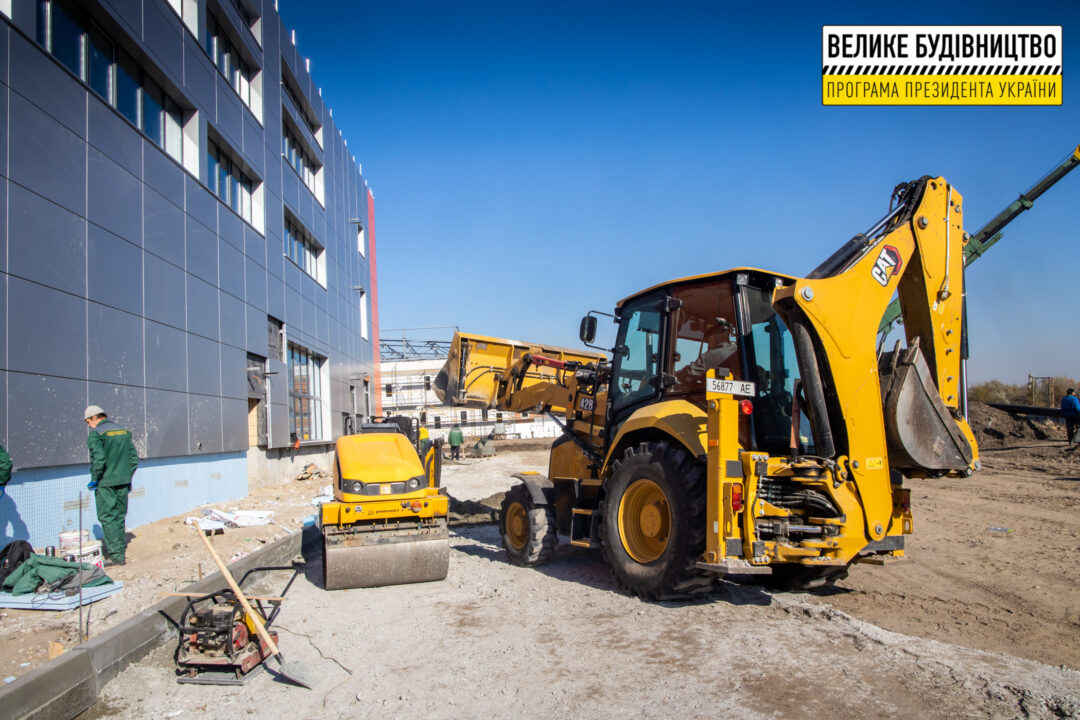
point(1041, 391)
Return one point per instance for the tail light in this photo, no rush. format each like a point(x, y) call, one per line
point(416, 505)
point(736, 497)
point(746, 407)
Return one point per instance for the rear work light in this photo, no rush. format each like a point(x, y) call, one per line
point(746, 407)
point(736, 497)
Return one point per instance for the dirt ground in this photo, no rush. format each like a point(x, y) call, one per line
point(981, 620)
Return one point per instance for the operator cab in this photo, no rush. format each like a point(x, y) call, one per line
point(670, 335)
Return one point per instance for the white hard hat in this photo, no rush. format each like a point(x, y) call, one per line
point(92, 411)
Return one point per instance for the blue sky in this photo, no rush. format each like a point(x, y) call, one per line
point(535, 160)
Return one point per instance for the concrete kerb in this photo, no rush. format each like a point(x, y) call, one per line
point(68, 685)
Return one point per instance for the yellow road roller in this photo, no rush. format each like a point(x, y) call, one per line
point(387, 522)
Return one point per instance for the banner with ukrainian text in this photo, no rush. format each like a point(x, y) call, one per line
point(941, 65)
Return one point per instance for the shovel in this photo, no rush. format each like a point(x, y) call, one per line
point(256, 619)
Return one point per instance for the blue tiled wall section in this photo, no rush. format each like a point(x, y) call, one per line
point(42, 502)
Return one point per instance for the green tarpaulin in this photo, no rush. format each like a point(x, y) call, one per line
point(38, 569)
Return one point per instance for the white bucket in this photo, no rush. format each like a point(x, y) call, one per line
point(69, 539)
point(91, 553)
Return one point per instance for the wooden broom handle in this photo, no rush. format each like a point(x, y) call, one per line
point(255, 618)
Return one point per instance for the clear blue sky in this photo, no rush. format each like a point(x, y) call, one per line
point(534, 160)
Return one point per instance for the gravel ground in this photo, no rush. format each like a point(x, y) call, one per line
point(974, 624)
point(494, 640)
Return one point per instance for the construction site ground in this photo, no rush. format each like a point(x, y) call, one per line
point(980, 621)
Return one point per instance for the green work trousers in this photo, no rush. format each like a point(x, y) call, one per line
point(112, 505)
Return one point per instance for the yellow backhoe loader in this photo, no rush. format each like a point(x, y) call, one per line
point(387, 522)
point(747, 421)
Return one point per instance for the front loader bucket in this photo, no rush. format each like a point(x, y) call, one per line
point(385, 557)
point(920, 431)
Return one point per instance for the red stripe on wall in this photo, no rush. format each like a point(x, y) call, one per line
point(374, 282)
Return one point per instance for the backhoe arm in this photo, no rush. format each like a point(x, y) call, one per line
point(906, 418)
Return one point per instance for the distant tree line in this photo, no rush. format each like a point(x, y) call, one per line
point(995, 391)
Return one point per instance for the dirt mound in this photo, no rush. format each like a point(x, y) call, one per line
point(518, 444)
point(995, 428)
point(475, 512)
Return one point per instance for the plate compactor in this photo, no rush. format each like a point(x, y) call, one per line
point(219, 643)
point(387, 522)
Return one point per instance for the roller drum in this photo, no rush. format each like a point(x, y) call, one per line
point(385, 557)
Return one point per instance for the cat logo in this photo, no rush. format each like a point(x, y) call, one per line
point(887, 264)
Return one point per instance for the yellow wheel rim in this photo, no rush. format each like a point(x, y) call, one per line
point(517, 526)
point(644, 521)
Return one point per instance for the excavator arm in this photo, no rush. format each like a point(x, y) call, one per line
point(897, 411)
point(488, 372)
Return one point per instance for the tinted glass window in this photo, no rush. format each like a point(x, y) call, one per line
point(637, 353)
point(775, 373)
point(101, 59)
point(153, 108)
point(67, 36)
point(704, 335)
point(127, 88)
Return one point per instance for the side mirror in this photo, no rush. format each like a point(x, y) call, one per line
point(587, 331)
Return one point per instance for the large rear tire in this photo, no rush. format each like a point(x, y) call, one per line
point(528, 530)
point(653, 528)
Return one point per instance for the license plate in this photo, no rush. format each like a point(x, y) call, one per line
point(730, 387)
point(588, 404)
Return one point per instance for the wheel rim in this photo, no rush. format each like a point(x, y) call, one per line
point(517, 526)
point(644, 521)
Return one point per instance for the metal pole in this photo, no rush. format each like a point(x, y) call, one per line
point(80, 560)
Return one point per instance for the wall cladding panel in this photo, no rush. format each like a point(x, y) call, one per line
point(45, 420)
point(202, 251)
point(166, 423)
point(46, 157)
point(234, 424)
point(115, 341)
point(114, 270)
point(232, 320)
point(48, 333)
point(114, 197)
point(47, 242)
point(202, 308)
point(164, 290)
point(166, 358)
point(114, 136)
point(204, 366)
point(233, 372)
point(205, 424)
point(163, 229)
point(162, 173)
point(232, 269)
point(255, 285)
point(47, 84)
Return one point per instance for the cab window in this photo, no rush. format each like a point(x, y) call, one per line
point(637, 353)
point(776, 373)
point(703, 335)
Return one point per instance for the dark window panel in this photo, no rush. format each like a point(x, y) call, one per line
point(127, 87)
point(101, 52)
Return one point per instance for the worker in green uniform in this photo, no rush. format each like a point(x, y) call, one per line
point(112, 463)
point(5, 471)
point(455, 438)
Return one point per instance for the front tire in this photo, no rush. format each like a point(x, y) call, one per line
point(528, 530)
point(653, 528)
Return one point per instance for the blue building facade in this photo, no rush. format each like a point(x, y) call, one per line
point(186, 239)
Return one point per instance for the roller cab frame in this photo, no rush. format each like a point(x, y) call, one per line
point(387, 522)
